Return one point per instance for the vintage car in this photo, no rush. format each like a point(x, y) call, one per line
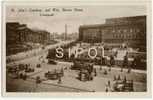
point(38, 65)
point(82, 66)
point(22, 66)
point(86, 70)
point(43, 47)
point(29, 69)
point(84, 75)
point(121, 86)
point(14, 74)
point(53, 75)
point(12, 69)
point(50, 61)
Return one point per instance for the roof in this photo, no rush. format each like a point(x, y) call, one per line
point(108, 22)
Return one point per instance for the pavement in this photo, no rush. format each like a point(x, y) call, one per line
point(69, 82)
point(19, 85)
point(35, 52)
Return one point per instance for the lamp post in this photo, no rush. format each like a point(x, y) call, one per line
point(65, 35)
point(102, 55)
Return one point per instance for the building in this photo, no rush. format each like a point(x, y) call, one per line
point(12, 35)
point(20, 33)
point(129, 30)
point(20, 38)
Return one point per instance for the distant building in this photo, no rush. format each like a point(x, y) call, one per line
point(129, 30)
point(73, 36)
point(21, 38)
point(12, 34)
point(20, 33)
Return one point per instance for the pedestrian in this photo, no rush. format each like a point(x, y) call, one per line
point(24, 77)
point(106, 90)
point(136, 62)
point(119, 78)
point(129, 70)
point(80, 75)
point(43, 61)
point(112, 61)
point(38, 81)
point(100, 68)
point(114, 78)
point(109, 83)
point(26, 66)
point(62, 71)
point(121, 69)
point(21, 75)
point(59, 80)
point(105, 72)
point(109, 68)
point(124, 80)
point(132, 85)
point(95, 72)
point(125, 61)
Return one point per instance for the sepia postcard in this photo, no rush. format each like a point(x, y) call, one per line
point(76, 48)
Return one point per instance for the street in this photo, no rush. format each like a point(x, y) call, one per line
point(69, 81)
point(35, 52)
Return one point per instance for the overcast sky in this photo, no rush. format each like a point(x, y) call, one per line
point(56, 23)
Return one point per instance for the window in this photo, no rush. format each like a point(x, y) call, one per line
point(137, 30)
point(125, 30)
point(131, 30)
point(113, 31)
point(119, 30)
point(129, 36)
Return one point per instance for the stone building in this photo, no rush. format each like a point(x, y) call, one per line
point(12, 36)
point(128, 30)
point(20, 33)
point(21, 38)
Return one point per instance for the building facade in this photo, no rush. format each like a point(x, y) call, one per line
point(20, 38)
point(129, 30)
point(20, 33)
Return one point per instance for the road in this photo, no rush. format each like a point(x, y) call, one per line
point(36, 52)
point(69, 82)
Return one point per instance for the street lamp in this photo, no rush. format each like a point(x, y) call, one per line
point(102, 55)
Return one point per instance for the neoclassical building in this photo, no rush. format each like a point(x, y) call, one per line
point(129, 30)
point(19, 33)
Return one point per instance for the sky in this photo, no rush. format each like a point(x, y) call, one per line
point(73, 19)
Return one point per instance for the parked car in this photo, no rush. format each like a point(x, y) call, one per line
point(53, 75)
point(22, 66)
point(121, 86)
point(50, 61)
point(38, 66)
point(29, 70)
